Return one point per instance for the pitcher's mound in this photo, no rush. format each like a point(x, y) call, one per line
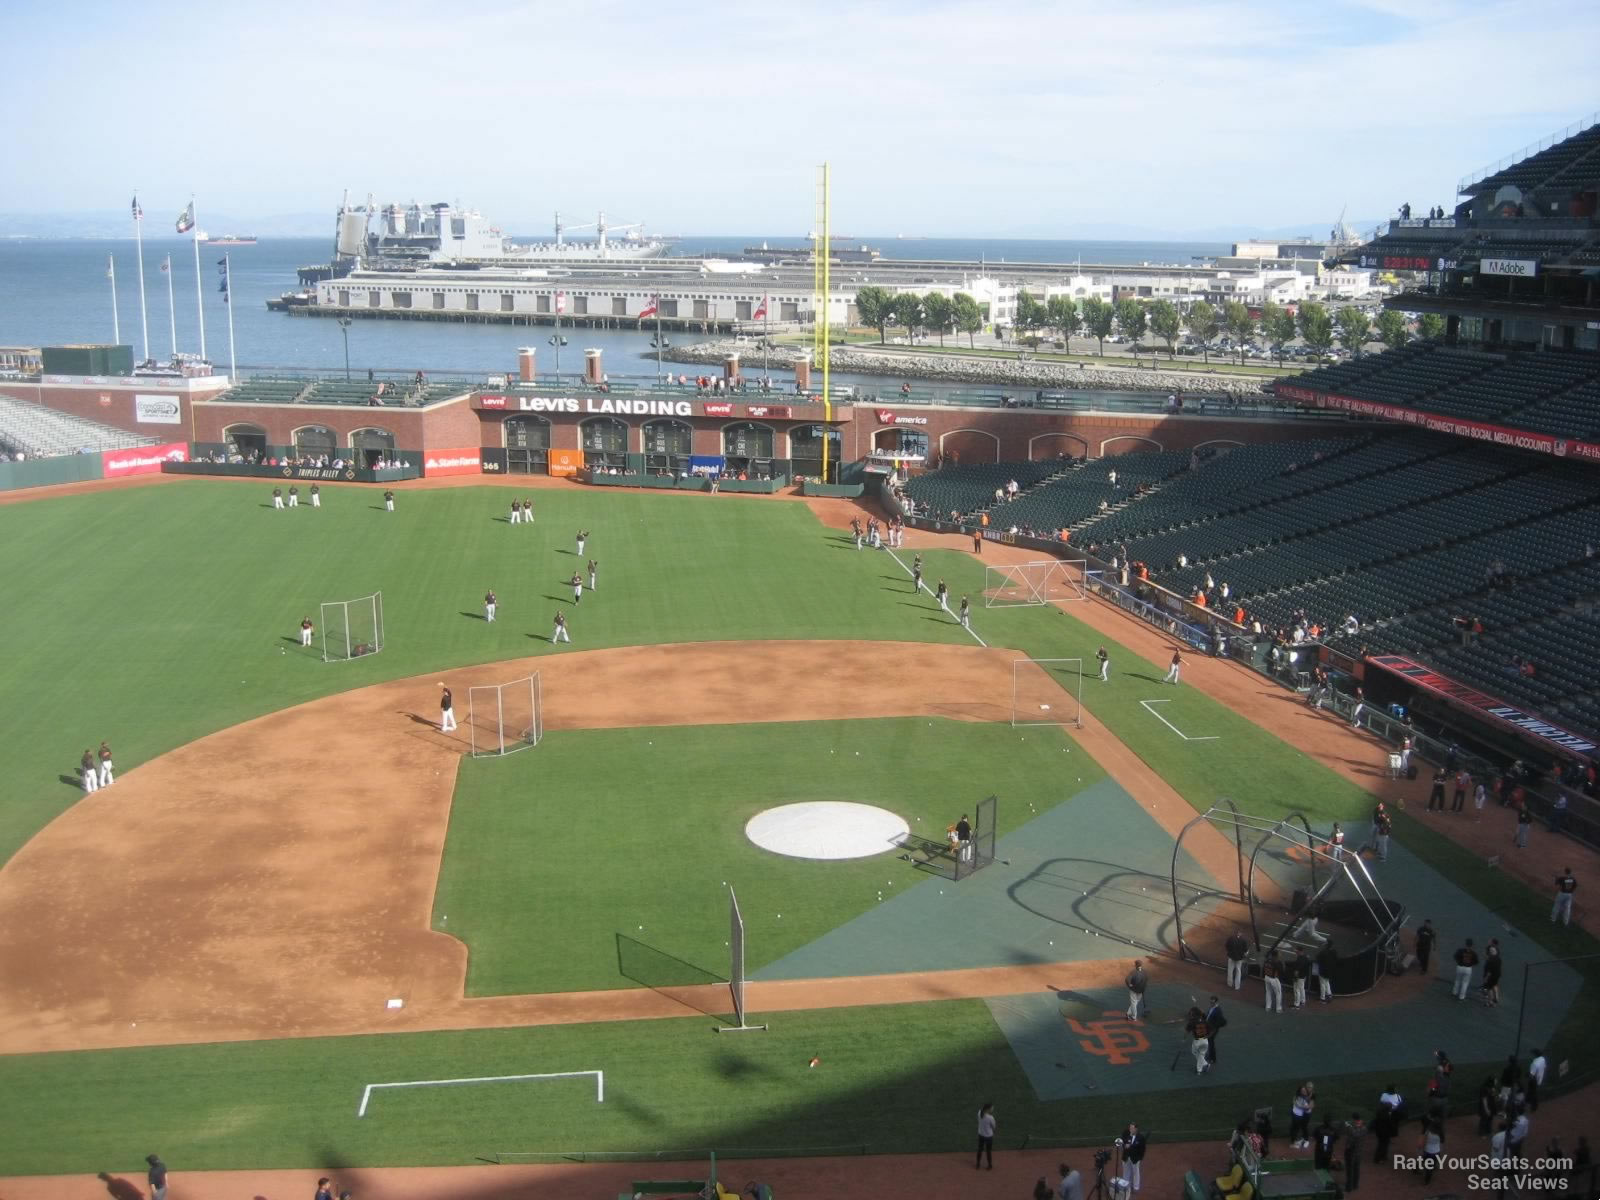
point(826, 829)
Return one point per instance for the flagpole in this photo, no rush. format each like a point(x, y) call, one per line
point(199, 286)
point(172, 310)
point(227, 297)
point(766, 335)
point(138, 236)
point(657, 302)
point(116, 324)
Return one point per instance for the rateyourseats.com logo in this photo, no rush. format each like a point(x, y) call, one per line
point(1488, 1174)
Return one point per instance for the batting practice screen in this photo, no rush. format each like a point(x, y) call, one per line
point(1046, 691)
point(1034, 583)
point(352, 628)
point(736, 967)
point(503, 718)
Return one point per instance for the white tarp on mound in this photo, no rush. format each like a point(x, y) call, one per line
point(826, 829)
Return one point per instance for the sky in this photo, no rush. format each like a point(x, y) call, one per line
point(1019, 119)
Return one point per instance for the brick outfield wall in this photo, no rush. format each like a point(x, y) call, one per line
point(112, 406)
point(982, 435)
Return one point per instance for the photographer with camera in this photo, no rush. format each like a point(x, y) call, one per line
point(1132, 1143)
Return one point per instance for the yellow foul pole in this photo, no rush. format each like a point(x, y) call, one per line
point(820, 329)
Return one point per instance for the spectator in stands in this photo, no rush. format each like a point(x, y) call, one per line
point(1351, 625)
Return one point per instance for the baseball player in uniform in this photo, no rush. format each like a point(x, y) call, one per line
point(561, 634)
point(966, 613)
point(294, 497)
point(316, 496)
point(516, 512)
point(1172, 671)
point(1566, 884)
point(855, 529)
point(593, 567)
point(942, 595)
point(447, 710)
point(489, 605)
point(388, 506)
point(277, 497)
point(305, 631)
point(527, 510)
point(916, 574)
point(107, 775)
point(583, 536)
point(86, 767)
point(1105, 664)
point(577, 588)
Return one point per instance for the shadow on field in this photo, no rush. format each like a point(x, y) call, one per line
point(472, 615)
point(121, 1189)
point(70, 780)
point(664, 973)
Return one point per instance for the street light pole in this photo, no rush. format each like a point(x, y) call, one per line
point(344, 328)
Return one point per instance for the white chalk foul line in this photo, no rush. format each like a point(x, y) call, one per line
point(922, 587)
point(599, 1084)
point(1170, 725)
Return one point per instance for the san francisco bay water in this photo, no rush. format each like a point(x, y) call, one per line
point(56, 292)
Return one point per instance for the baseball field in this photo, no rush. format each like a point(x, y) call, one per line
point(298, 887)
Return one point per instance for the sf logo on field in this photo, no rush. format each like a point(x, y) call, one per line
point(1113, 1038)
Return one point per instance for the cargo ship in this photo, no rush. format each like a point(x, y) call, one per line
point(230, 239)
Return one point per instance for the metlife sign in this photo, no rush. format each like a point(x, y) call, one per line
point(1526, 267)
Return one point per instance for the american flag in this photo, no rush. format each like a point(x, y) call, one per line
point(138, 213)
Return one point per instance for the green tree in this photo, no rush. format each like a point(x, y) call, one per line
point(1393, 330)
point(1354, 328)
point(906, 309)
point(1241, 326)
point(1166, 322)
point(1061, 314)
point(1277, 324)
point(1431, 327)
point(936, 312)
point(1131, 320)
point(966, 314)
point(873, 307)
point(1316, 327)
point(1098, 317)
point(1031, 315)
point(1204, 323)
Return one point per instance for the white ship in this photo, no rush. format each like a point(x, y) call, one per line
point(412, 236)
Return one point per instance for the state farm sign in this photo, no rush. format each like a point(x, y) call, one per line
point(887, 417)
point(463, 461)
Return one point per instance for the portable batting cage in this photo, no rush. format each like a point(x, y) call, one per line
point(1046, 691)
point(1288, 889)
point(503, 718)
point(1033, 583)
point(352, 628)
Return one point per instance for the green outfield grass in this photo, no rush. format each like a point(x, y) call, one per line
point(151, 616)
point(638, 869)
point(900, 1078)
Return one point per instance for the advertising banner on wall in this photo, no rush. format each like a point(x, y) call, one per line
point(1500, 435)
point(1473, 700)
point(143, 460)
point(709, 465)
point(157, 410)
point(493, 459)
point(465, 461)
point(565, 462)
